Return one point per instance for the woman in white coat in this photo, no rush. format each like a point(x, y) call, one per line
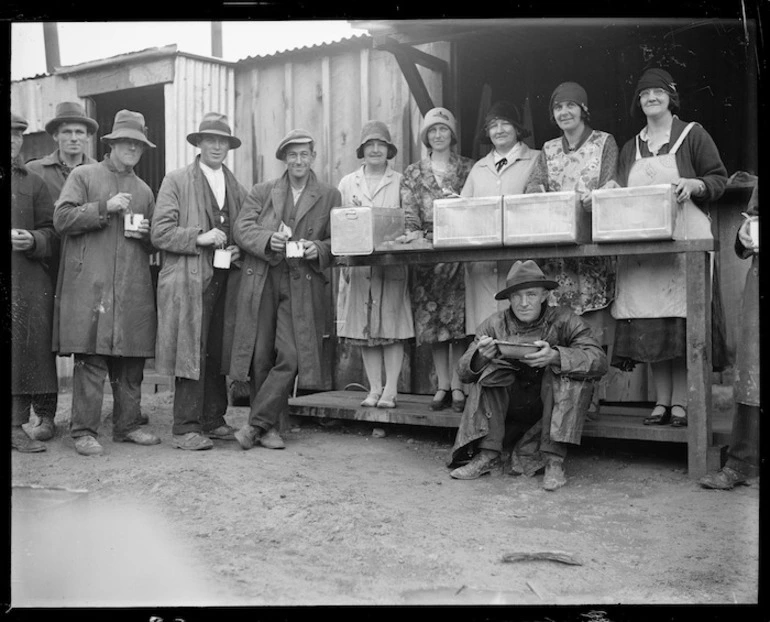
point(374, 309)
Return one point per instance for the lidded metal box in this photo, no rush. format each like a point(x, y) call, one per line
point(637, 213)
point(545, 218)
point(468, 222)
point(363, 230)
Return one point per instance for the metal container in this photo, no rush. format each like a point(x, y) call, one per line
point(363, 230)
point(545, 218)
point(470, 222)
point(634, 214)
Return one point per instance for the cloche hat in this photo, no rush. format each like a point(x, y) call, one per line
point(434, 116)
point(376, 130)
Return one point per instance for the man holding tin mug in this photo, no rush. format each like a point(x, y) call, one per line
point(192, 225)
point(285, 233)
point(104, 311)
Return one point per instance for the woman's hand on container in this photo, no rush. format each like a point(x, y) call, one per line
point(687, 188)
point(409, 236)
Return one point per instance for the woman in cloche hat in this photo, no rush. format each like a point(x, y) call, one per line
point(375, 312)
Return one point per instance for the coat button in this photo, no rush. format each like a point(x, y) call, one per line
point(307, 276)
point(310, 231)
point(194, 270)
point(249, 271)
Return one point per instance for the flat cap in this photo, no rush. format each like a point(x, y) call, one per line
point(295, 136)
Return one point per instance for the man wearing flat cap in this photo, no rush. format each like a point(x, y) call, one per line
point(72, 129)
point(105, 304)
point(536, 396)
point(193, 220)
point(284, 230)
point(33, 243)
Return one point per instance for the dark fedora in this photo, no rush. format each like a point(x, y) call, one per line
point(128, 124)
point(18, 122)
point(214, 124)
point(71, 112)
point(506, 111)
point(524, 274)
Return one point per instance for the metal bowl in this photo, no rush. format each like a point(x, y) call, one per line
point(510, 350)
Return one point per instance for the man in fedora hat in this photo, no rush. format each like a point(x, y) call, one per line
point(197, 206)
point(72, 129)
point(537, 400)
point(33, 242)
point(105, 304)
point(284, 230)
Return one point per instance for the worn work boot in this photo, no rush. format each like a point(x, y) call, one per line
point(142, 419)
point(554, 477)
point(480, 465)
point(88, 446)
point(140, 437)
point(23, 443)
point(223, 433)
point(192, 441)
point(271, 439)
point(726, 479)
point(247, 436)
point(45, 429)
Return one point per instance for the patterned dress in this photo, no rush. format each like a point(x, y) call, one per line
point(437, 290)
point(585, 284)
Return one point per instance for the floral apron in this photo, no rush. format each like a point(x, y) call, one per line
point(655, 286)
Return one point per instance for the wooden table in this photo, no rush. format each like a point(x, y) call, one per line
point(701, 452)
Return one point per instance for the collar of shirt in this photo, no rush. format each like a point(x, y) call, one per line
point(587, 131)
point(511, 156)
point(645, 136)
point(216, 179)
point(297, 192)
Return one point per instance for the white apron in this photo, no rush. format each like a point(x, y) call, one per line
point(654, 286)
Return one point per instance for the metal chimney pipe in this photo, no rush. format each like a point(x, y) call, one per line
point(216, 39)
point(51, 41)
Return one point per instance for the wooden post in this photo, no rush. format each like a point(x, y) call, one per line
point(699, 441)
point(216, 39)
point(51, 42)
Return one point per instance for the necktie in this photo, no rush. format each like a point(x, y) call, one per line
point(501, 163)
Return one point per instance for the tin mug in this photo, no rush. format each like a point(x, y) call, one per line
point(222, 258)
point(295, 249)
point(131, 222)
point(754, 231)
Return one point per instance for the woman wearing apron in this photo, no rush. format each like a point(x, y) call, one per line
point(581, 159)
point(437, 290)
point(374, 309)
point(650, 304)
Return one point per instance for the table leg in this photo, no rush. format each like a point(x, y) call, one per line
point(698, 362)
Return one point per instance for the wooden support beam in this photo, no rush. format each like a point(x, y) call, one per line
point(414, 80)
point(698, 362)
point(417, 56)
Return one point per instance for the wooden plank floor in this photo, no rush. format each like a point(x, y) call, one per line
point(622, 422)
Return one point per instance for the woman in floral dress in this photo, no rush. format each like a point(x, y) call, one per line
point(437, 290)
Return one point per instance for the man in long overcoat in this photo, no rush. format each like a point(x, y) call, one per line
point(284, 230)
point(33, 243)
point(72, 129)
point(197, 206)
point(105, 304)
point(538, 399)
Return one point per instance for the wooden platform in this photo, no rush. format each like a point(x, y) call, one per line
point(622, 422)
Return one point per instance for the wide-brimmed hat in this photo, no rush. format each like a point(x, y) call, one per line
point(524, 274)
point(434, 116)
point(506, 111)
point(376, 130)
point(295, 136)
point(215, 124)
point(71, 112)
point(18, 122)
point(128, 124)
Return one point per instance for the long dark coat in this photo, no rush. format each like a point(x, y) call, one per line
point(50, 169)
point(183, 212)
point(565, 393)
point(33, 364)
point(105, 302)
point(260, 217)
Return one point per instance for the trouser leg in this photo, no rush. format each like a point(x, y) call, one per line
point(88, 374)
point(45, 405)
point(549, 448)
point(274, 366)
point(20, 408)
point(126, 375)
point(192, 402)
point(497, 400)
point(743, 454)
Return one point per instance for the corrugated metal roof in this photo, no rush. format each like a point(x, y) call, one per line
point(325, 47)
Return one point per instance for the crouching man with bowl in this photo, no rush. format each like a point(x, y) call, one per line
point(531, 369)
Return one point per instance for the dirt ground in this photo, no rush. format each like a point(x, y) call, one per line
point(342, 517)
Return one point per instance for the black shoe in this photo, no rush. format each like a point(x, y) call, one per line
point(458, 405)
point(441, 400)
point(662, 419)
point(678, 421)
